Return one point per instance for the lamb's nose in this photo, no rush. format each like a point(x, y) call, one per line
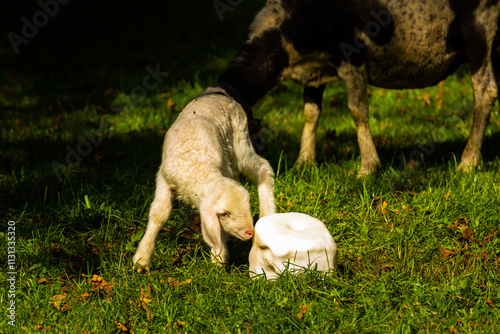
point(249, 233)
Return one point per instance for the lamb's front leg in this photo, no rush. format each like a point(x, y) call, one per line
point(260, 172)
point(355, 81)
point(158, 215)
point(313, 97)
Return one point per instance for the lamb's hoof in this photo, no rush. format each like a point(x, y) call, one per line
point(136, 266)
point(140, 268)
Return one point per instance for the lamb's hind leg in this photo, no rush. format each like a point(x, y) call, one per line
point(158, 215)
point(313, 97)
point(355, 81)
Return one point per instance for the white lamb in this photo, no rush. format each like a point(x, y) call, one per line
point(203, 152)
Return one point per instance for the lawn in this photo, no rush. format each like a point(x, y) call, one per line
point(81, 134)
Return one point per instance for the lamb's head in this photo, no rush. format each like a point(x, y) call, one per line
point(226, 209)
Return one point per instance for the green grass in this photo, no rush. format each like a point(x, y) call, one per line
point(417, 245)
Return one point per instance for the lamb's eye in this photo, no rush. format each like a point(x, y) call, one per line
point(224, 214)
point(263, 247)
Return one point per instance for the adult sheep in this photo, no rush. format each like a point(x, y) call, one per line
point(393, 44)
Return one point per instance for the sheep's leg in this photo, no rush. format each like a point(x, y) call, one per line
point(313, 97)
point(260, 172)
point(485, 94)
point(355, 81)
point(158, 215)
point(222, 257)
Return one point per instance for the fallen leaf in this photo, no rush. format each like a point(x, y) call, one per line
point(302, 311)
point(380, 204)
point(466, 235)
point(145, 296)
point(457, 221)
point(171, 104)
point(489, 302)
point(412, 164)
point(110, 91)
point(43, 281)
point(426, 98)
point(56, 300)
point(121, 327)
point(100, 285)
point(446, 253)
point(487, 238)
point(41, 328)
point(149, 313)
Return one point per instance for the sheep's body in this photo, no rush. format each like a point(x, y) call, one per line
point(394, 44)
point(203, 153)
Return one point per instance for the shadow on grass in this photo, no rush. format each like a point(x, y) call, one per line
point(85, 48)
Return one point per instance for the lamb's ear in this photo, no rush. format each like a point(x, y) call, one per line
point(211, 229)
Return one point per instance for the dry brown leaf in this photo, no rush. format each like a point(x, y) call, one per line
point(43, 281)
point(171, 104)
point(412, 164)
point(489, 302)
point(145, 296)
point(426, 98)
point(380, 204)
point(110, 91)
point(122, 328)
point(41, 328)
point(446, 253)
point(453, 330)
point(149, 313)
point(179, 323)
point(302, 310)
point(56, 300)
point(99, 283)
point(466, 235)
point(488, 238)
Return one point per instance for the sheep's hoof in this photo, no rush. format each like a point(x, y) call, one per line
point(466, 167)
point(140, 269)
point(365, 173)
point(304, 164)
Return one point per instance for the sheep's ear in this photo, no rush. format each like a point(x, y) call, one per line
point(211, 229)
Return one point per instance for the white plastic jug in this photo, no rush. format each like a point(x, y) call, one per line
point(292, 241)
